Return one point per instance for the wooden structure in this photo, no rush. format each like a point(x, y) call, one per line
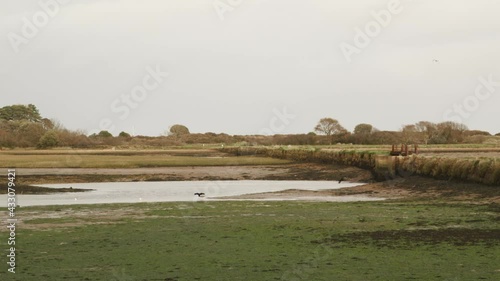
point(403, 150)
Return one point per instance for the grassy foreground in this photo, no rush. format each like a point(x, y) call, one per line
point(248, 240)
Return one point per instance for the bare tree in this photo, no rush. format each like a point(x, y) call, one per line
point(450, 132)
point(410, 134)
point(329, 126)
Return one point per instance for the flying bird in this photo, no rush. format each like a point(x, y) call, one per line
point(200, 194)
point(435, 60)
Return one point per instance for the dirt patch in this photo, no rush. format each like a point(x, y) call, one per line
point(396, 238)
point(74, 218)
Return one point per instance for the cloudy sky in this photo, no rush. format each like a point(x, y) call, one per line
point(252, 66)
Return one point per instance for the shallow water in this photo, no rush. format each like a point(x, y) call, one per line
point(169, 191)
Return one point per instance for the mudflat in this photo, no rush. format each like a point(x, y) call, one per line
point(300, 171)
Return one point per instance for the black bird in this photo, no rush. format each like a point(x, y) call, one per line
point(200, 194)
point(341, 179)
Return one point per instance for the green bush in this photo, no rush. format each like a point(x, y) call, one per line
point(124, 135)
point(49, 139)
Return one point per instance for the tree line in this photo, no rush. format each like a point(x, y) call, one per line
point(422, 132)
point(23, 126)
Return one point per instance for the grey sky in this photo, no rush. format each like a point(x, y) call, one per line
point(233, 71)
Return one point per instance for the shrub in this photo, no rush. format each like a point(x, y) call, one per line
point(440, 170)
point(124, 135)
point(104, 134)
point(428, 166)
point(493, 174)
point(49, 139)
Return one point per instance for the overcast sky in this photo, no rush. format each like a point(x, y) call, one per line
point(252, 66)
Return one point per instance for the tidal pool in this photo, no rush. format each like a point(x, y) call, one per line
point(170, 191)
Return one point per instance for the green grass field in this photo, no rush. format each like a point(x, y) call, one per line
point(259, 241)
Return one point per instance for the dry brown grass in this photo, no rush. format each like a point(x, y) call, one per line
point(126, 159)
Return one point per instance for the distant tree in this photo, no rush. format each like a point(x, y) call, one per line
point(410, 134)
point(104, 134)
point(20, 112)
point(6, 138)
point(47, 124)
point(427, 130)
point(311, 138)
point(449, 132)
point(386, 137)
point(179, 130)
point(22, 126)
point(49, 139)
point(28, 133)
point(124, 135)
point(362, 134)
point(363, 129)
point(329, 126)
point(332, 129)
point(75, 139)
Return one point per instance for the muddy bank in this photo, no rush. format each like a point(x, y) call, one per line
point(474, 170)
point(410, 188)
point(33, 189)
point(303, 171)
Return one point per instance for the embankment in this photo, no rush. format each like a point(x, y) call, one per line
point(384, 167)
